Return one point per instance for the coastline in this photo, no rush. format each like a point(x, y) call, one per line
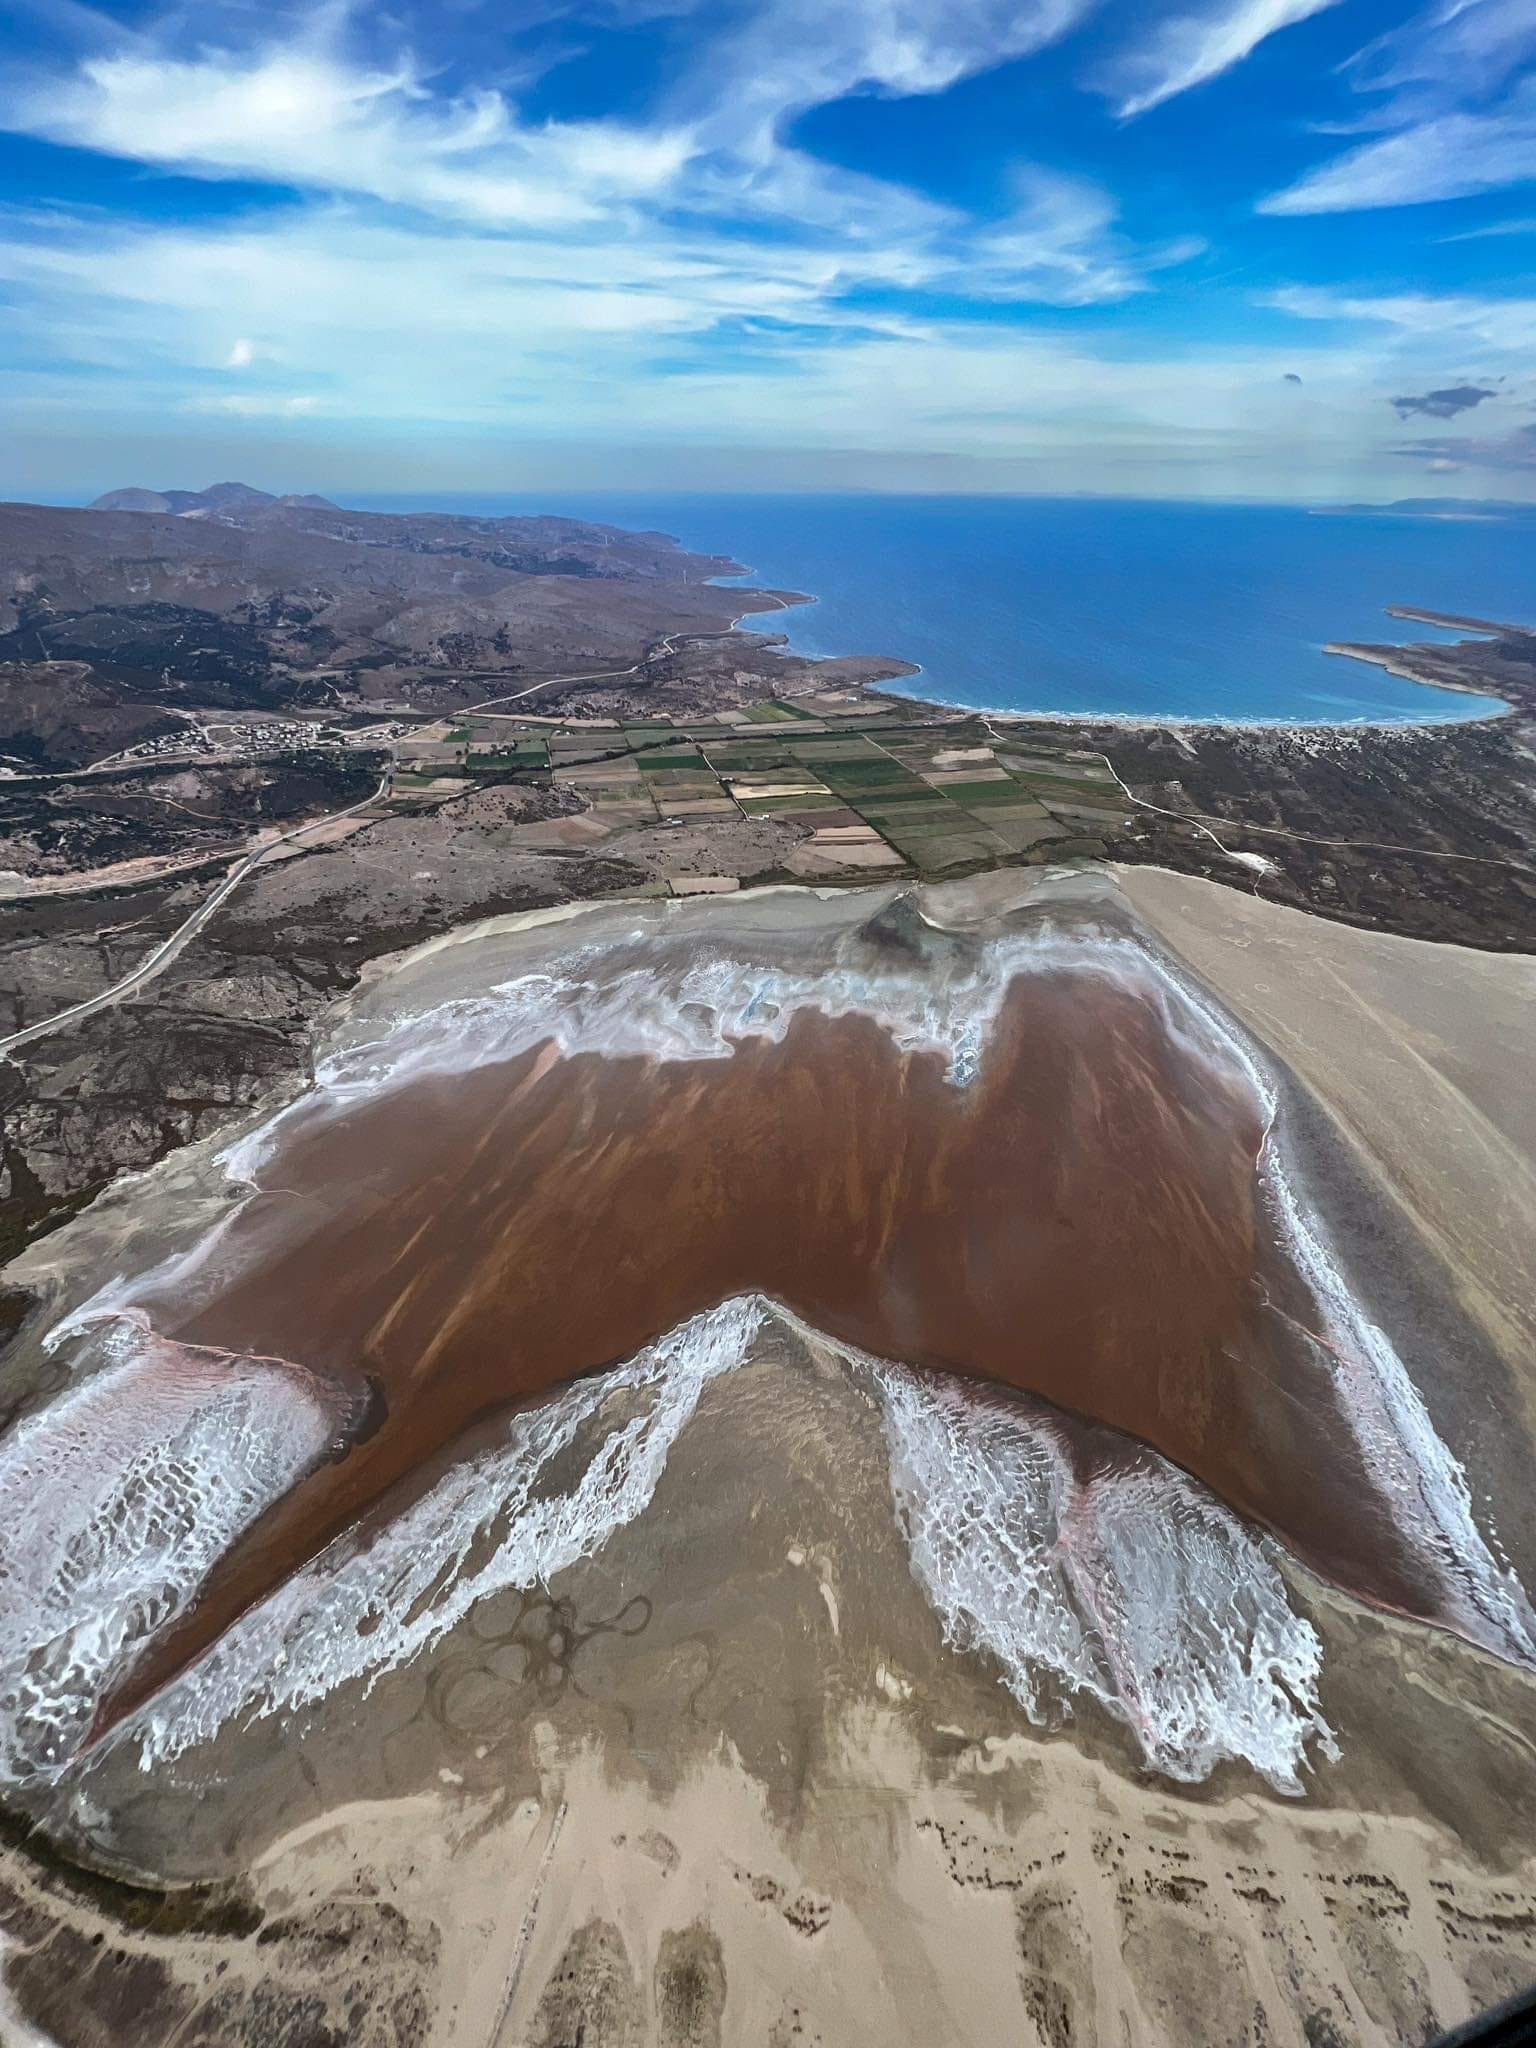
point(738, 1752)
point(1270, 809)
point(1380, 657)
point(1137, 721)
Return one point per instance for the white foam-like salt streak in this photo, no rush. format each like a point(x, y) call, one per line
point(1142, 1591)
point(1404, 1451)
point(712, 999)
point(696, 1005)
point(115, 1502)
point(692, 1006)
point(364, 1608)
point(1136, 1587)
point(1402, 1448)
point(1242, 1682)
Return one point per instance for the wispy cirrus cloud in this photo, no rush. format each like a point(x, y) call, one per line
point(1186, 49)
point(1452, 156)
point(297, 108)
point(356, 311)
point(435, 223)
point(1458, 103)
point(301, 115)
point(1061, 245)
point(301, 110)
point(1492, 231)
point(1453, 49)
point(374, 325)
point(784, 56)
point(1502, 326)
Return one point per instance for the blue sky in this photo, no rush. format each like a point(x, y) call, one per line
point(1218, 248)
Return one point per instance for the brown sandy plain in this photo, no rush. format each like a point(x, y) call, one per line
point(725, 1782)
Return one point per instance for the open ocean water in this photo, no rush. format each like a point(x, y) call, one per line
point(1100, 607)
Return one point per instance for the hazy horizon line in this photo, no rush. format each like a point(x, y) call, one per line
point(82, 497)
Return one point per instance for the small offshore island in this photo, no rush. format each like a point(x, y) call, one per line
point(699, 1354)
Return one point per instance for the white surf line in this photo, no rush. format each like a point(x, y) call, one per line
point(168, 948)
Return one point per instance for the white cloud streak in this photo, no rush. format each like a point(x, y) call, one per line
point(388, 319)
point(302, 117)
point(370, 326)
point(1187, 49)
point(1460, 116)
point(1504, 329)
point(788, 55)
point(301, 114)
point(1494, 231)
point(689, 276)
point(1060, 246)
point(1451, 157)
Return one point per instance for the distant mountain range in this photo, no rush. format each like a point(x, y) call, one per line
point(217, 499)
point(1440, 508)
point(539, 546)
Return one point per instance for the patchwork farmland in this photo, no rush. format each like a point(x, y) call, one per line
point(874, 791)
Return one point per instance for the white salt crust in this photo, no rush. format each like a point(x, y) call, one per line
point(1142, 1592)
point(115, 1502)
point(1138, 1589)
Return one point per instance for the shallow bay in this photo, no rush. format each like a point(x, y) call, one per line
point(1103, 607)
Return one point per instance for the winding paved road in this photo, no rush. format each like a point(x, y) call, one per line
point(167, 950)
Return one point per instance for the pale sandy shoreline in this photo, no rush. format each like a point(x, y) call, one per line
point(1135, 722)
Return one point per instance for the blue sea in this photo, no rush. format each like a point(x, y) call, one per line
point(1095, 607)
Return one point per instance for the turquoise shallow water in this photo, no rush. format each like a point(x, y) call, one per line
point(1102, 607)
